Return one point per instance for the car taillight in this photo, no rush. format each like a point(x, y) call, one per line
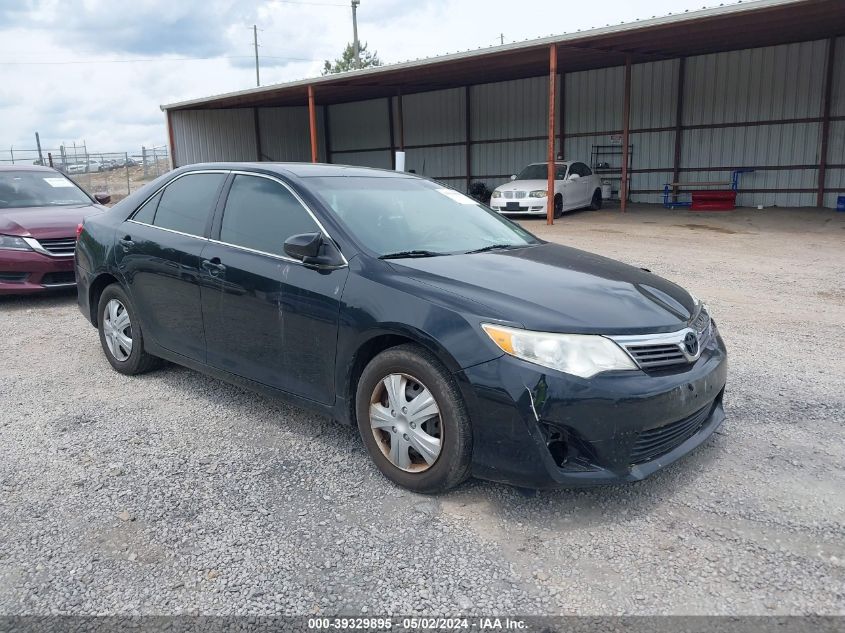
point(78, 230)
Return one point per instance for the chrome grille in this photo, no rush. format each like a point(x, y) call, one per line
point(61, 247)
point(702, 321)
point(651, 351)
point(647, 356)
point(515, 194)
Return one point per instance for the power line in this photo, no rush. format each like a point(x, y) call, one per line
point(151, 59)
point(316, 4)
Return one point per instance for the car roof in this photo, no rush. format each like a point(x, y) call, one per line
point(25, 168)
point(557, 162)
point(307, 170)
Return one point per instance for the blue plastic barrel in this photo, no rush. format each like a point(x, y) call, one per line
point(840, 203)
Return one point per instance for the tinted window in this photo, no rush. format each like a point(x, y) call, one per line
point(581, 169)
point(147, 212)
point(186, 204)
point(261, 214)
point(560, 172)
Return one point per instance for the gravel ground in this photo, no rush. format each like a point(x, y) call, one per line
point(174, 493)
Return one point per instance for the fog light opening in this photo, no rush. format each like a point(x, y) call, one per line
point(559, 448)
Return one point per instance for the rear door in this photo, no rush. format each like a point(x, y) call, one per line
point(268, 317)
point(158, 254)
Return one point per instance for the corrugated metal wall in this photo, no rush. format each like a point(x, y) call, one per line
point(213, 135)
point(508, 126)
point(836, 141)
point(229, 135)
point(434, 118)
point(359, 133)
point(734, 105)
point(763, 84)
point(285, 134)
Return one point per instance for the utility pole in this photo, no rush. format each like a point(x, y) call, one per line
point(38, 144)
point(502, 38)
point(355, 46)
point(255, 42)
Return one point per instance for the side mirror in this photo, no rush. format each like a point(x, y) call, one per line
point(102, 198)
point(574, 176)
point(312, 250)
point(513, 177)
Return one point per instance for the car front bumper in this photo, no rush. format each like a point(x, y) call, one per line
point(523, 206)
point(26, 272)
point(541, 428)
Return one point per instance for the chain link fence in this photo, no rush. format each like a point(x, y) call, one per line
point(115, 173)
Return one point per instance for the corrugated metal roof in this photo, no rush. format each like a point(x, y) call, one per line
point(741, 25)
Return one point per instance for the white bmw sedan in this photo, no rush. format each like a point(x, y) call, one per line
point(576, 187)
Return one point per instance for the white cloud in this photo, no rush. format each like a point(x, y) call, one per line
point(113, 103)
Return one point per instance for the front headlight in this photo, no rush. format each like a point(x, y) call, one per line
point(582, 355)
point(496, 194)
point(539, 193)
point(13, 243)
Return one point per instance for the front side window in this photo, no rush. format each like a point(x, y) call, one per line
point(187, 203)
point(261, 214)
point(28, 189)
point(395, 215)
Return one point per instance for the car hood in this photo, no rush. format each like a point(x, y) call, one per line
point(555, 288)
point(523, 185)
point(45, 222)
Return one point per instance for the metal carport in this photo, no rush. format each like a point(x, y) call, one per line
point(757, 85)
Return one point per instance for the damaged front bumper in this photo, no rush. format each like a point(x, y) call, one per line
point(540, 428)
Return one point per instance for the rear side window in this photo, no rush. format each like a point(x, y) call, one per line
point(186, 204)
point(261, 214)
point(148, 211)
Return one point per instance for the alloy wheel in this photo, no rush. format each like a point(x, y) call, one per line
point(405, 421)
point(117, 330)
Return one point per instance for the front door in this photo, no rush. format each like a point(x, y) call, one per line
point(158, 253)
point(268, 317)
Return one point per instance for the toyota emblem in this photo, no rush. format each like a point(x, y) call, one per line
point(691, 344)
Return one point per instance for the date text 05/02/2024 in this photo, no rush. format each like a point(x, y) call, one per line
point(418, 623)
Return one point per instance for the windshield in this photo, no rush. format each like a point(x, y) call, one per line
point(410, 215)
point(541, 172)
point(22, 189)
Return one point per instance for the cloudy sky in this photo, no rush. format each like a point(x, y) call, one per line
point(97, 70)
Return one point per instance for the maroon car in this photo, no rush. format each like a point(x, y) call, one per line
point(40, 209)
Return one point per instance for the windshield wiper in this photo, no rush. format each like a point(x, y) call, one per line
point(414, 253)
point(495, 247)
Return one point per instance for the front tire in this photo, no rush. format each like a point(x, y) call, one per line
point(413, 420)
point(120, 333)
point(595, 204)
point(558, 206)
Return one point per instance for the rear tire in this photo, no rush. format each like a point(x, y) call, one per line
point(558, 206)
point(120, 333)
point(392, 427)
point(595, 205)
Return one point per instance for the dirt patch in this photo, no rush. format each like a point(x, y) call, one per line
point(835, 296)
point(707, 227)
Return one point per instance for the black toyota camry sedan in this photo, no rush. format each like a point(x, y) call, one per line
point(458, 343)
